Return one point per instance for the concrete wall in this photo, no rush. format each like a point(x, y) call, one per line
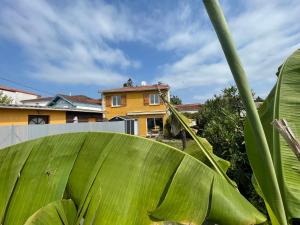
point(36, 103)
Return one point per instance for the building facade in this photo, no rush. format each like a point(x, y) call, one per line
point(79, 108)
point(24, 115)
point(141, 103)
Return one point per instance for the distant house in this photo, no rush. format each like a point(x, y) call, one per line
point(17, 95)
point(79, 108)
point(141, 103)
point(191, 109)
point(41, 101)
point(24, 114)
point(188, 108)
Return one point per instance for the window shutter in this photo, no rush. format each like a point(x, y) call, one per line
point(107, 101)
point(146, 99)
point(123, 100)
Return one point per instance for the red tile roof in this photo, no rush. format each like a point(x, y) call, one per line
point(5, 88)
point(138, 88)
point(72, 98)
point(188, 107)
point(82, 99)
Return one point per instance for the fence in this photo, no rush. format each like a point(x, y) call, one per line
point(15, 134)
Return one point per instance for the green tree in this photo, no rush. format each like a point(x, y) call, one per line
point(4, 99)
point(175, 100)
point(221, 122)
point(129, 83)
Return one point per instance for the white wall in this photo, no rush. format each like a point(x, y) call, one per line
point(18, 96)
point(36, 103)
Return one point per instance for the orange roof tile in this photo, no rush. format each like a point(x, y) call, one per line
point(188, 107)
point(138, 88)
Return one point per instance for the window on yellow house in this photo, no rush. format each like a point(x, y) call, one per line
point(154, 99)
point(116, 100)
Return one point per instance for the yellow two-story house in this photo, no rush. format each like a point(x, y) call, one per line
point(141, 103)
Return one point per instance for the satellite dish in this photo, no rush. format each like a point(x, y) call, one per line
point(143, 83)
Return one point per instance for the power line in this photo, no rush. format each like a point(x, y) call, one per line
point(26, 86)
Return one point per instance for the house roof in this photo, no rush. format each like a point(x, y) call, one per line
point(13, 106)
point(138, 88)
point(188, 107)
point(82, 99)
point(5, 88)
point(74, 98)
point(38, 99)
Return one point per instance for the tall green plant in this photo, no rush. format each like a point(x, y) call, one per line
point(221, 122)
point(270, 173)
point(283, 103)
point(208, 154)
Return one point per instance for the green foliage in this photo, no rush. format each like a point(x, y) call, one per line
point(129, 83)
point(5, 99)
point(283, 103)
point(275, 167)
point(183, 122)
point(175, 100)
point(167, 128)
point(221, 122)
point(112, 178)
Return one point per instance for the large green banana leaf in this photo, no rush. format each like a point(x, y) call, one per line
point(283, 102)
point(62, 212)
point(113, 179)
point(193, 150)
point(287, 106)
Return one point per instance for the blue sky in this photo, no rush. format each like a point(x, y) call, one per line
point(81, 47)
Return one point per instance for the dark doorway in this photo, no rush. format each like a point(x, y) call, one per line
point(38, 119)
point(154, 125)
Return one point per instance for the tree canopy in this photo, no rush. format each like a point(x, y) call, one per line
point(129, 83)
point(175, 100)
point(4, 99)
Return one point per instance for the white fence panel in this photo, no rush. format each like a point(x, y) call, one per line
point(10, 135)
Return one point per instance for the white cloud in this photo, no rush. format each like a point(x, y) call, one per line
point(79, 41)
point(70, 43)
point(265, 35)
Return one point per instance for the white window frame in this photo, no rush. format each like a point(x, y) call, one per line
point(115, 99)
point(155, 97)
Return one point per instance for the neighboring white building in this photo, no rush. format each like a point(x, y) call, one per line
point(37, 101)
point(65, 101)
point(17, 95)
